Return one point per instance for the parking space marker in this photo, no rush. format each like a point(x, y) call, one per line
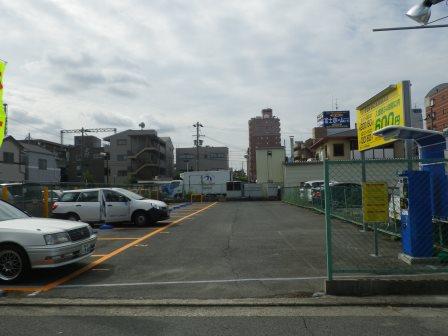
point(132, 228)
point(117, 238)
point(119, 250)
point(21, 289)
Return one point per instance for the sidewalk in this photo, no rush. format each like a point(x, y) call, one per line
point(435, 301)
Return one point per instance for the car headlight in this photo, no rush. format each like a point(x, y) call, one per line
point(90, 230)
point(156, 206)
point(56, 238)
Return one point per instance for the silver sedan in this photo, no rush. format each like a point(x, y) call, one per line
point(27, 243)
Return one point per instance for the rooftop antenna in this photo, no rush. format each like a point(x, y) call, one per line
point(336, 105)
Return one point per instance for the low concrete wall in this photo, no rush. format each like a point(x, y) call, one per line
point(371, 287)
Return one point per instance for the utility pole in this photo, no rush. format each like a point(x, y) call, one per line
point(198, 125)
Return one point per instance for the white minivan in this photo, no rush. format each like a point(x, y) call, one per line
point(109, 205)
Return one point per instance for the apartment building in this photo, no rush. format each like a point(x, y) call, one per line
point(264, 132)
point(137, 155)
point(436, 105)
point(210, 158)
point(86, 160)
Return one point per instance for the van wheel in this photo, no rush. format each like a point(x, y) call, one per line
point(14, 264)
point(140, 218)
point(73, 217)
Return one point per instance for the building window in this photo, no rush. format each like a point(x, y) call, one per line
point(217, 156)
point(42, 163)
point(121, 157)
point(338, 150)
point(122, 142)
point(8, 157)
point(122, 173)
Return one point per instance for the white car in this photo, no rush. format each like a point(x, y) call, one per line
point(27, 243)
point(109, 205)
point(306, 187)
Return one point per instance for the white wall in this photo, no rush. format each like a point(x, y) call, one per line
point(11, 172)
point(302, 172)
point(270, 167)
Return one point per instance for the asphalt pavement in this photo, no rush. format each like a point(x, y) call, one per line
point(226, 250)
point(231, 250)
point(344, 321)
point(193, 275)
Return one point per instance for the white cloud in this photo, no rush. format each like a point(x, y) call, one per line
point(75, 62)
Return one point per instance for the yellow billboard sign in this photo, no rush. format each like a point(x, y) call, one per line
point(375, 202)
point(384, 109)
point(2, 110)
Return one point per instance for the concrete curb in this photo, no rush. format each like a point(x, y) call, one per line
point(370, 287)
point(326, 301)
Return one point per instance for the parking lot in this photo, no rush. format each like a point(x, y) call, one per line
point(204, 251)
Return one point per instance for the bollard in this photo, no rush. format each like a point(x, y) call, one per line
point(5, 193)
point(45, 203)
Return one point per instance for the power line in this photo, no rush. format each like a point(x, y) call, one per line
point(223, 143)
point(33, 127)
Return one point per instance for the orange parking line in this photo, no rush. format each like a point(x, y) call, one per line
point(21, 289)
point(131, 228)
point(116, 238)
point(97, 262)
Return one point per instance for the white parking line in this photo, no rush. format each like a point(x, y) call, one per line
point(196, 282)
point(163, 283)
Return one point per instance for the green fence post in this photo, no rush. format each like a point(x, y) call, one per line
point(345, 201)
point(329, 252)
point(364, 179)
point(375, 240)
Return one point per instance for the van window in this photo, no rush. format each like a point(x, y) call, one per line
point(88, 196)
point(112, 196)
point(69, 197)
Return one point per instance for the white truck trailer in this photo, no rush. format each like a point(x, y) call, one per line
point(206, 182)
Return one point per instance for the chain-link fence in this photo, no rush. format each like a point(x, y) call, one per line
point(32, 197)
point(36, 199)
point(356, 244)
point(385, 216)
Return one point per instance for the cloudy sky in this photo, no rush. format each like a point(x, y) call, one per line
point(171, 63)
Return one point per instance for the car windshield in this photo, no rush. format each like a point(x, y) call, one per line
point(8, 212)
point(130, 194)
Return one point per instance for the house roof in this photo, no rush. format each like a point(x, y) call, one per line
point(436, 89)
point(34, 141)
point(35, 149)
point(131, 132)
point(344, 135)
point(270, 148)
point(14, 140)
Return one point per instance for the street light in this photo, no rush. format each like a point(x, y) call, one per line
point(422, 12)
